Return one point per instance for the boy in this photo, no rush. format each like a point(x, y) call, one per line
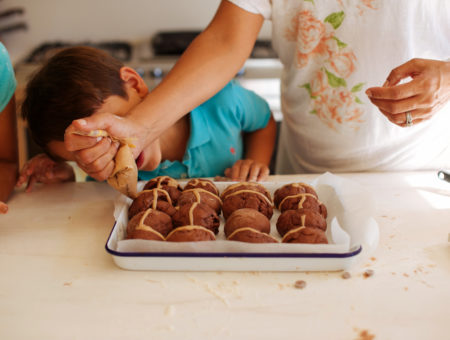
point(82, 81)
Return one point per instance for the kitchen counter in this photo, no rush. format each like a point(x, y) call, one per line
point(58, 282)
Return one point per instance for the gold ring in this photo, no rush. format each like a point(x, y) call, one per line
point(409, 121)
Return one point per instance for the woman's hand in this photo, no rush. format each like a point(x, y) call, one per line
point(422, 97)
point(42, 169)
point(95, 155)
point(247, 170)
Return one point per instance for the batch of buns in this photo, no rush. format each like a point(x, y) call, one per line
point(165, 211)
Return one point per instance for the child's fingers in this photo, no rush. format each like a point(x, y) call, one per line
point(22, 179)
point(244, 170)
point(3, 208)
point(254, 172)
point(263, 173)
point(25, 173)
point(235, 170)
point(227, 172)
point(30, 183)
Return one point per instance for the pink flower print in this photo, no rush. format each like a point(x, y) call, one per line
point(319, 84)
point(321, 109)
point(366, 4)
point(338, 106)
point(233, 151)
point(335, 106)
point(343, 63)
point(308, 32)
point(372, 4)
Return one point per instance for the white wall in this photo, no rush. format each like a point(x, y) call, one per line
point(96, 20)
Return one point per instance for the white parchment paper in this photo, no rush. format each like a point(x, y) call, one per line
point(350, 223)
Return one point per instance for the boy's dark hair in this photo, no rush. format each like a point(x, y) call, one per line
point(73, 84)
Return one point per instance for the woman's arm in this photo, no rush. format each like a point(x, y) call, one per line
point(8, 152)
point(211, 60)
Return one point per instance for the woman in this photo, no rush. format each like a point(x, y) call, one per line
point(332, 52)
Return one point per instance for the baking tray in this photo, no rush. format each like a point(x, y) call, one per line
point(350, 208)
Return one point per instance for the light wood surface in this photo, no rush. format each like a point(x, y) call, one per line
point(58, 282)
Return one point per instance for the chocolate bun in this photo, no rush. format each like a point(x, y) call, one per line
point(305, 201)
point(292, 189)
point(166, 183)
point(202, 183)
point(305, 235)
point(247, 199)
point(292, 219)
point(200, 196)
point(157, 199)
point(253, 186)
point(196, 214)
point(190, 233)
point(149, 225)
point(247, 218)
point(251, 235)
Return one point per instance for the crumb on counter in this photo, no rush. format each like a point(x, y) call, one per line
point(346, 275)
point(300, 284)
point(368, 273)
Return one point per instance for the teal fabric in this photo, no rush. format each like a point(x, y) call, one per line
point(216, 140)
point(7, 80)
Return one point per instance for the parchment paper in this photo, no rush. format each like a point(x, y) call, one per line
point(350, 223)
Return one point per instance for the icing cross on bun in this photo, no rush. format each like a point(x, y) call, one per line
point(202, 183)
point(253, 186)
point(305, 235)
point(306, 201)
point(246, 218)
point(292, 189)
point(201, 196)
point(247, 199)
point(292, 219)
point(157, 199)
point(149, 225)
point(196, 214)
point(190, 233)
point(251, 235)
point(167, 183)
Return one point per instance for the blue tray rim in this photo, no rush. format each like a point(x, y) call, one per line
point(351, 253)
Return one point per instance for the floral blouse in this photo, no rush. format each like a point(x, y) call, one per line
point(332, 51)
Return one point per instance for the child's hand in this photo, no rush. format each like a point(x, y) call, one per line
point(44, 170)
point(247, 170)
point(3, 208)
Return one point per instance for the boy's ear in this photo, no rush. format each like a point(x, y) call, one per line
point(133, 80)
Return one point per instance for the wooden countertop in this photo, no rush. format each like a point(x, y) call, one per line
point(58, 282)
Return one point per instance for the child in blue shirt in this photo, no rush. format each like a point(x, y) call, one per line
point(8, 135)
point(232, 134)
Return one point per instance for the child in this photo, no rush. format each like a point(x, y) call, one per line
point(8, 135)
point(81, 81)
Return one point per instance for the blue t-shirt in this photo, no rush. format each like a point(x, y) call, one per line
point(7, 79)
point(216, 128)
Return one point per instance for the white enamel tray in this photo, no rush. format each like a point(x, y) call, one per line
point(350, 211)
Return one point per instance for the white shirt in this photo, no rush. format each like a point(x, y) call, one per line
point(332, 51)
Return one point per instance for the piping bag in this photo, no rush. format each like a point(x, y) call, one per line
point(125, 174)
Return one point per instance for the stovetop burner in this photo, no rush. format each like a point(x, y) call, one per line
point(118, 49)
